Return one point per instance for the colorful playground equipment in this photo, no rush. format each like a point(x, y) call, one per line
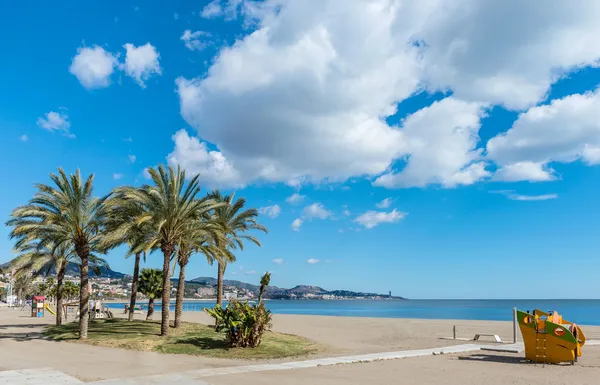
point(37, 306)
point(549, 338)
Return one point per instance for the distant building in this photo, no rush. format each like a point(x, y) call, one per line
point(206, 291)
point(390, 293)
point(230, 295)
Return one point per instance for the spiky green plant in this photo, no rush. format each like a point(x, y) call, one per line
point(151, 285)
point(236, 223)
point(168, 208)
point(64, 215)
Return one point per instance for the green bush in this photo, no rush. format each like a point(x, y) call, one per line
point(244, 324)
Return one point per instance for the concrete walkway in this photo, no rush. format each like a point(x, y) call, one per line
point(194, 377)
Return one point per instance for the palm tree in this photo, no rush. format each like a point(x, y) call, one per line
point(167, 208)
point(235, 223)
point(202, 238)
point(264, 282)
point(41, 260)
point(151, 281)
point(135, 238)
point(66, 215)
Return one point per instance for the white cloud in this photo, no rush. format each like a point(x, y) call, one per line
point(565, 130)
point(278, 261)
point(270, 211)
point(384, 204)
point(525, 171)
point(544, 197)
point(194, 156)
point(441, 140)
point(192, 40)
point(296, 224)
point(518, 197)
point(212, 10)
point(132, 158)
point(306, 94)
point(372, 218)
point(141, 62)
point(117, 176)
point(250, 272)
point(316, 210)
point(312, 261)
point(346, 212)
point(56, 122)
point(295, 198)
point(23, 138)
point(93, 66)
point(146, 174)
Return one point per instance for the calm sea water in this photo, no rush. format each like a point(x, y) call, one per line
point(585, 312)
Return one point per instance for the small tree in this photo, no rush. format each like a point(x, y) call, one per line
point(264, 282)
point(151, 286)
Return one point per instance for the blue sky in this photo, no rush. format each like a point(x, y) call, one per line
point(438, 152)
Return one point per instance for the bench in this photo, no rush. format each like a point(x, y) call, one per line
point(495, 336)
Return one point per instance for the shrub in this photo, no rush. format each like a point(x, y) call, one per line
point(244, 324)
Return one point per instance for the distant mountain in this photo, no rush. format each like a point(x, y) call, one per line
point(303, 289)
point(73, 269)
point(209, 281)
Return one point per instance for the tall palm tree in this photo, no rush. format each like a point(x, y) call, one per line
point(42, 260)
point(236, 222)
point(151, 285)
point(66, 215)
point(201, 238)
point(135, 237)
point(167, 208)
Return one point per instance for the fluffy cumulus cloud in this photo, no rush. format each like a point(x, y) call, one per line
point(93, 66)
point(564, 130)
point(316, 210)
point(278, 261)
point(371, 218)
point(296, 224)
point(195, 157)
point(270, 211)
point(305, 95)
point(295, 198)
point(384, 204)
point(192, 40)
point(141, 62)
point(312, 261)
point(56, 122)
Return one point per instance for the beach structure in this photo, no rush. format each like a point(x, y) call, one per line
point(37, 306)
point(548, 338)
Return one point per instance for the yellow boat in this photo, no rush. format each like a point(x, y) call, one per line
point(548, 338)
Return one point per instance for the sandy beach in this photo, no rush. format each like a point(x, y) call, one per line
point(22, 347)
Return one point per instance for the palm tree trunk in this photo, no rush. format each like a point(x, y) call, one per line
point(150, 309)
point(84, 294)
point(180, 293)
point(220, 274)
point(134, 282)
point(166, 294)
point(59, 293)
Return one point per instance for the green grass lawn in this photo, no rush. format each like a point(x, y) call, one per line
point(190, 338)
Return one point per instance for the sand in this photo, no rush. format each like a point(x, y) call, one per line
point(21, 347)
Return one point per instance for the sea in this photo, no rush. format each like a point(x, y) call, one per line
point(586, 312)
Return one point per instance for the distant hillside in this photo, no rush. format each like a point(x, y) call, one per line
point(209, 281)
point(73, 269)
point(303, 289)
point(280, 293)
